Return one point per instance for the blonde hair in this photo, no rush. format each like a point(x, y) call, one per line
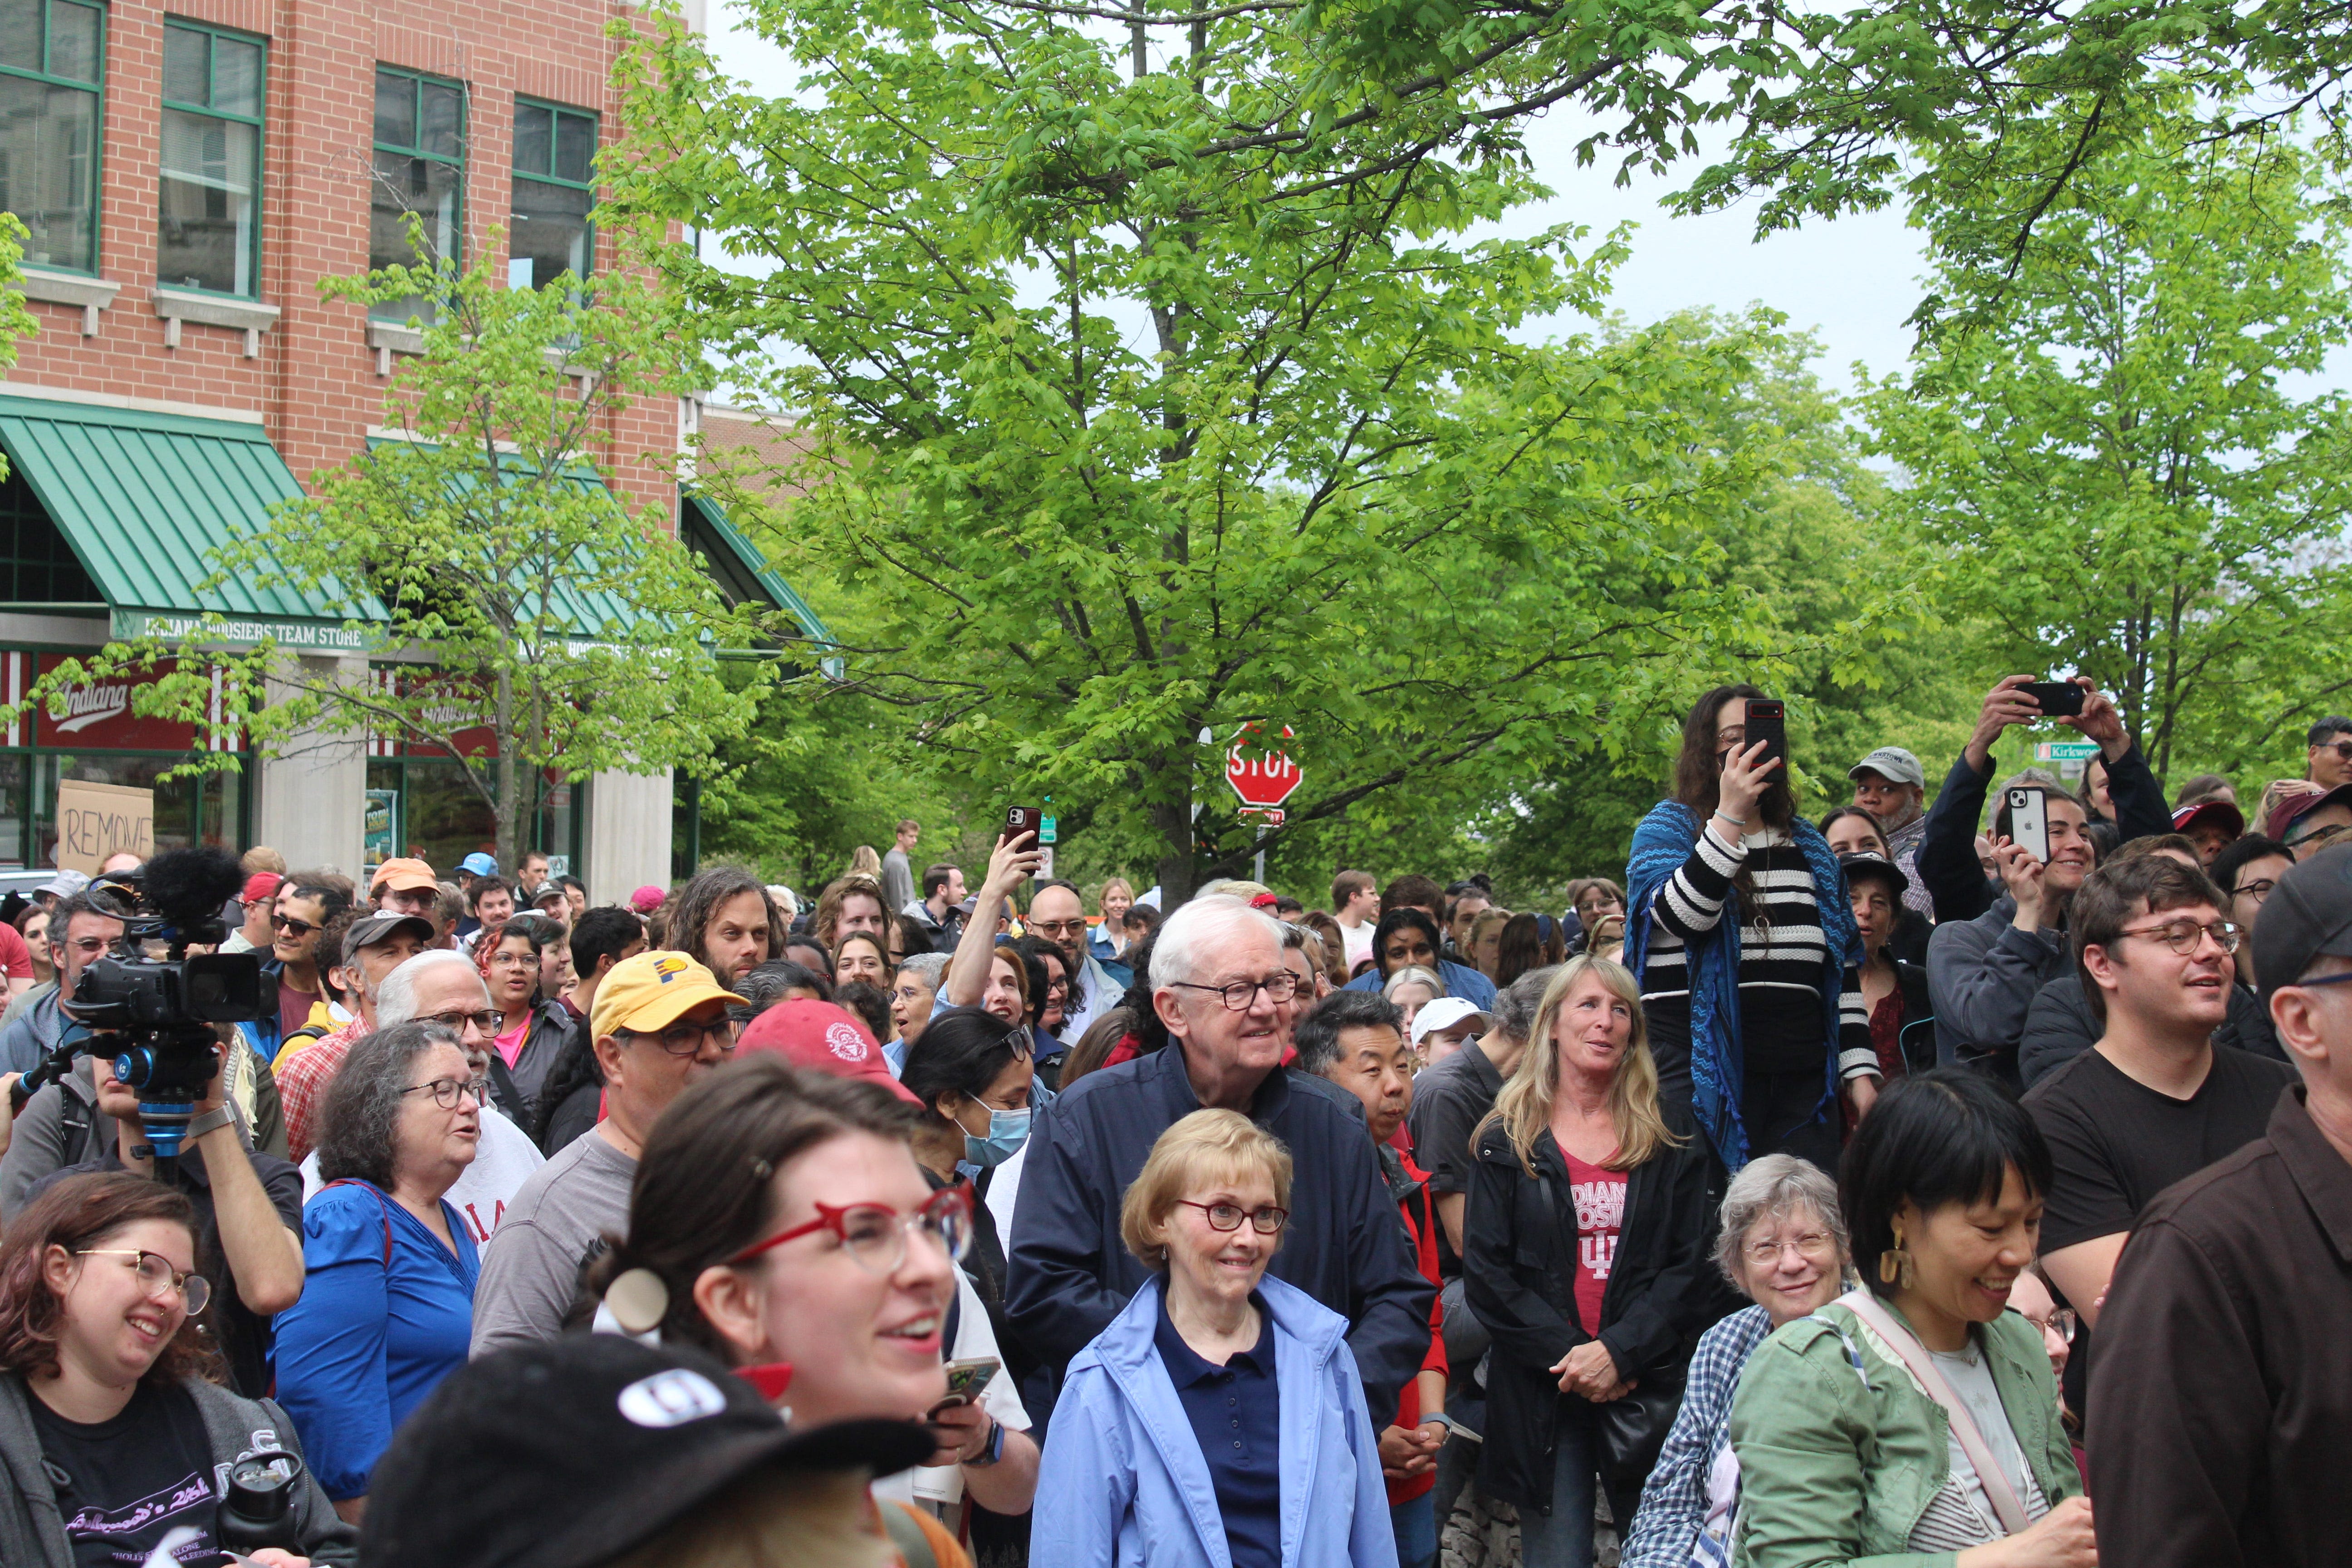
point(1201, 1149)
point(826, 924)
point(1524, 1107)
point(1414, 974)
point(774, 1519)
point(1104, 892)
point(865, 862)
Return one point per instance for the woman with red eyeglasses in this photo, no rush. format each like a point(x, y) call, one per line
point(780, 1221)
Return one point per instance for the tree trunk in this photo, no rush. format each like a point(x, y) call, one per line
point(508, 817)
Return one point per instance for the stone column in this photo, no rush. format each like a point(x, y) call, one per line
point(628, 834)
point(313, 793)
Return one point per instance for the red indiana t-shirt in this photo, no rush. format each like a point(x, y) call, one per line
point(1598, 1195)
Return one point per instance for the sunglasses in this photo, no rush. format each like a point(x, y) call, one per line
point(289, 923)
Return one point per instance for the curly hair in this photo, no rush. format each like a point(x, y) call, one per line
point(359, 1124)
point(825, 924)
point(78, 1213)
point(685, 917)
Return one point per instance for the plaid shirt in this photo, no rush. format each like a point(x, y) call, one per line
point(303, 1080)
point(1673, 1502)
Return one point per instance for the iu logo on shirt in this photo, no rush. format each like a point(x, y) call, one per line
point(1600, 1214)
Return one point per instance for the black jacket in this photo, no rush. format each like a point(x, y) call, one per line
point(1518, 1274)
point(1947, 849)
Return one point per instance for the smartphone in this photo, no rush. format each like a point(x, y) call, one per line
point(966, 1378)
point(1768, 721)
point(2029, 822)
point(2058, 698)
point(1021, 819)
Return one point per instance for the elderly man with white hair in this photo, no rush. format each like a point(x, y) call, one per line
point(1219, 983)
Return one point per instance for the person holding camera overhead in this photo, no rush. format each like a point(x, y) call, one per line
point(1746, 946)
point(112, 1433)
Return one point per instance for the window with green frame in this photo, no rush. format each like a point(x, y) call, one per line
point(554, 187)
point(208, 213)
point(52, 76)
point(420, 167)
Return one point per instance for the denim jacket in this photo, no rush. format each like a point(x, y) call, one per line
point(1835, 1472)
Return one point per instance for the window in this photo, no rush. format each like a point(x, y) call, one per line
point(420, 167)
point(51, 53)
point(554, 175)
point(209, 220)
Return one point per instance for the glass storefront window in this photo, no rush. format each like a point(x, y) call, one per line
point(420, 167)
point(50, 54)
point(439, 818)
point(208, 810)
point(209, 230)
point(554, 187)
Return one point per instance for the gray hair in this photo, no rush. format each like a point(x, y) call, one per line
point(927, 967)
point(1410, 974)
point(1182, 935)
point(1514, 1007)
point(1774, 1186)
point(357, 1126)
point(396, 999)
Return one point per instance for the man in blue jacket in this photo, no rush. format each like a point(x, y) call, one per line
point(1219, 987)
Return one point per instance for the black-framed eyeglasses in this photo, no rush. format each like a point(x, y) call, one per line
point(157, 1276)
point(1241, 994)
point(686, 1037)
point(1265, 1220)
point(2343, 748)
point(2258, 891)
point(1058, 929)
point(2343, 979)
point(2181, 936)
point(447, 1091)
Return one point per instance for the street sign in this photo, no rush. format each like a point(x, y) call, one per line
point(1261, 776)
point(2065, 751)
point(1272, 815)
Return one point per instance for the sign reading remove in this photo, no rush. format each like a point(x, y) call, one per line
point(96, 820)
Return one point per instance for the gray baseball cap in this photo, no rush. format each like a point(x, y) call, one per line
point(367, 932)
point(1891, 763)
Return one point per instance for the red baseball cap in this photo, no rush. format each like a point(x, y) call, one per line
point(824, 1039)
point(260, 885)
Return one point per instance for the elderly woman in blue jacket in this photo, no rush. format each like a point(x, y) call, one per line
point(1219, 1422)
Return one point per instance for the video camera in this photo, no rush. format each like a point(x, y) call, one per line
point(155, 1016)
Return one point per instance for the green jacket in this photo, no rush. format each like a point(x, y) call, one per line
point(1833, 1473)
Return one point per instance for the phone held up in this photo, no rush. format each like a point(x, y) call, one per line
point(1032, 820)
point(2029, 822)
point(1768, 721)
point(2057, 698)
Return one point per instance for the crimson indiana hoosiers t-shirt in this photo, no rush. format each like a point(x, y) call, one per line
point(1599, 1197)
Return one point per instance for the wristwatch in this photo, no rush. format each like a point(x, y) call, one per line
point(994, 1449)
point(219, 1115)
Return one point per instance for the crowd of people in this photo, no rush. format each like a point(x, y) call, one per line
point(1965, 1182)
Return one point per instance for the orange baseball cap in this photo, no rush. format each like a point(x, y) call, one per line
point(401, 875)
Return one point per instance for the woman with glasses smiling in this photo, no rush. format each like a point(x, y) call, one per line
point(111, 1429)
point(387, 1309)
point(1215, 1383)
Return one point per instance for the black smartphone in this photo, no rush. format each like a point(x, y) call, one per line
point(2058, 698)
point(1768, 721)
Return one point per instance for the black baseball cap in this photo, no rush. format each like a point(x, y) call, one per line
point(369, 930)
point(568, 1454)
point(1862, 863)
point(2308, 915)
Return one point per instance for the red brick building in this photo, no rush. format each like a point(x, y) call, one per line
point(189, 172)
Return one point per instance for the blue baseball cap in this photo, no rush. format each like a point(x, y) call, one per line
point(478, 865)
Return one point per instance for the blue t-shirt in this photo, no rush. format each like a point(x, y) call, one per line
point(366, 1344)
point(1236, 1415)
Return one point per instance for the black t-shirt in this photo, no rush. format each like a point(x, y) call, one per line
point(241, 1333)
point(1449, 1100)
point(133, 1480)
point(2115, 1143)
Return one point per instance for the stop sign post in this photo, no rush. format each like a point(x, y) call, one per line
point(1263, 776)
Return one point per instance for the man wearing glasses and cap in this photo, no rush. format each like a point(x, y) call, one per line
point(659, 1023)
point(1890, 784)
point(374, 946)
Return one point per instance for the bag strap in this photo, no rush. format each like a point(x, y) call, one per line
point(1915, 1356)
point(906, 1533)
point(381, 1204)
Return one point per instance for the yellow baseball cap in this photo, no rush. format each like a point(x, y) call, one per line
point(651, 992)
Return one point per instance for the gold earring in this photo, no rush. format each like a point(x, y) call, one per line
point(1896, 1266)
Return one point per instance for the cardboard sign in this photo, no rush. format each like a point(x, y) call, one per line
point(96, 820)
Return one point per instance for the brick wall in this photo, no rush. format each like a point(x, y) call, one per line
point(315, 381)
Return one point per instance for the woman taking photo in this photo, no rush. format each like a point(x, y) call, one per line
point(1845, 1454)
point(387, 1307)
point(1586, 1252)
point(1745, 946)
point(1782, 1245)
point(1215, 1384)
point(535, 1026)
point(780, 1221)
point(111, 1433)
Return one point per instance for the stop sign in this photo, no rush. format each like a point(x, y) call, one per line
point(1263, 778)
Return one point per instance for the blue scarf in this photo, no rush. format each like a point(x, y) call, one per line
point(1661, 844)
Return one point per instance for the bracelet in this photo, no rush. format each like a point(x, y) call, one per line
point(1438, 1416)
point(219, 1115)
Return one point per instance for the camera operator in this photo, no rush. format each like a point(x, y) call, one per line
point(248, 1210)
point(84, 933)
point(61, 1124)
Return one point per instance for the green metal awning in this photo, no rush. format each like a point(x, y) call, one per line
point(142, 499)
point(738, 565)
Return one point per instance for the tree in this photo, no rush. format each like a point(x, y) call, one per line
point(15, 320)
point(1124, 459)
point(529, 620)
point(2112, 445)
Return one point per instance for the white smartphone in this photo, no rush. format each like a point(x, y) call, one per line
point(2029, 822)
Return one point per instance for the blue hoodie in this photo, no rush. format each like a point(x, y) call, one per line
point(1123, 1481)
